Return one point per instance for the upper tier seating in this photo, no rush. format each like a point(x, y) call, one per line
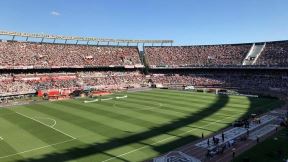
point(275, 54)
point(56, 55)
point(197, 55)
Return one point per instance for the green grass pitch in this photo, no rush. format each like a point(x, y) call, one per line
point(137, 128)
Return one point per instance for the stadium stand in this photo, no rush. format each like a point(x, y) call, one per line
point(39, 55)
point(255, 80)
point(274, 54)
point(197, 55)
point(25, 66)
point(30, 83)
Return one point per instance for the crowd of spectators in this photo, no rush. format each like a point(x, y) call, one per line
point(275, 53)
point(112, 78)
point(16, 87)
point(46, 55)
point(31, 83)
point(17, 54)
point(238, 80)
point(197, 55)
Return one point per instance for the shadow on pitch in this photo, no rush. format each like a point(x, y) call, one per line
point(101, 148)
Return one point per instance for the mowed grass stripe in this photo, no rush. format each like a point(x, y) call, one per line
point(91, 125)
point(179, 106)
point(199, 101)
point(198, 94)
point(117, 121)
point(62, 125)
point(163, 109)
point(93, 109)
point(171, 115)
point(5, 142)
point(145, 108)
point(160, 142)
point(180, 96)
point(17, 138)
point(188, 102)
point(196, 133)
point(139, 117)
point(6, 149)
point(128, 114)
point(192, 105)
point(153, 117)
point(172, 108)
point(171, 104)
point(229, 109)
point(173, 127)
point(178, 93)
point(249, 110)
point(203, 96)
point(258, 105)
point(98, 127)
point(180, 99)
point(38, 130)
point(237, 101)
point(139, 101)
point(193, 102)
point(194, 111)
point(182, 122)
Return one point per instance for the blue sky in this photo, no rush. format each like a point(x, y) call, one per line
point(185, 21)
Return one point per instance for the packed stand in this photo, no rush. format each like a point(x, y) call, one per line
point(238, 80)
point(122, 79)
point(31, 83)
point(39, 55)
point(214, 55)
point(274, 54)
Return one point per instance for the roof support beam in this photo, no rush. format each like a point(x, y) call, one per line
point(77, 38)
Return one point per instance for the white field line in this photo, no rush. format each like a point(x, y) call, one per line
point(165, 139)
point(46, 125)
point(121, 97)
point(1, 138)
point(106, 99)
point(36, 148)
point(48, 119)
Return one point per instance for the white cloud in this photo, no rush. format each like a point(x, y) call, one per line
point(55, 13)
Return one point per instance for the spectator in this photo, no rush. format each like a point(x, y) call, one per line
point(197, 55)
point(18, 54)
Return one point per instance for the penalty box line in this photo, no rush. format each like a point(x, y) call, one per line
point(46, 125)
point(165, 139)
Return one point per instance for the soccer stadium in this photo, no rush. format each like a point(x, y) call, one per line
point(92, 99)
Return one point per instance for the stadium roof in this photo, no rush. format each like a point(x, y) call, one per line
point(77, 38)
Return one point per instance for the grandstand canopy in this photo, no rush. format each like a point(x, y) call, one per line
point(77, 38)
